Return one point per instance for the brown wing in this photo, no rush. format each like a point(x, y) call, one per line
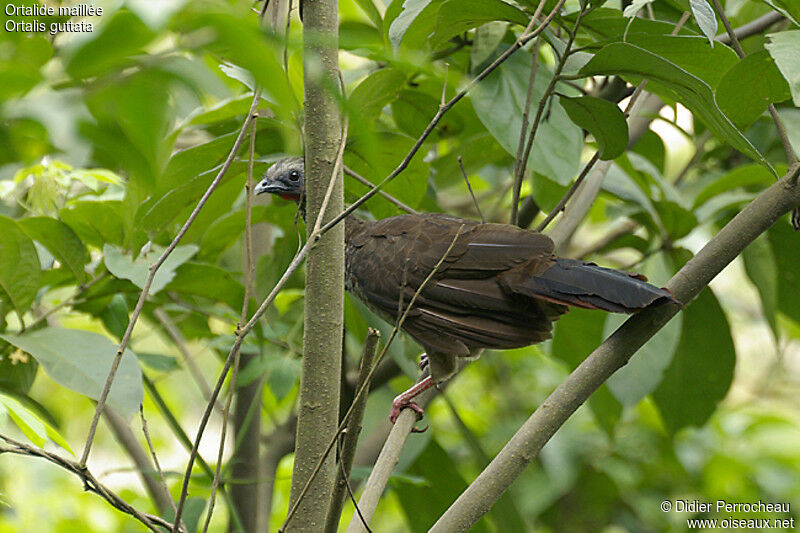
point(463, 307)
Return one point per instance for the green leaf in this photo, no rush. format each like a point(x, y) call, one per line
point(121, 36)
point(369, 8)
point(705, 18)
point(20, 66)
point(689, 52)
point(790, 9)
point(80, 360)
point(208, 281)
point(95, 222)
point(787, 256)
point(374, 158)
point(676, 221)
point(31, 427)
point(411, 9)
point(60, 240)
point(157, 361)
point(458, 16)
point(573, 349)
point(499, 102)
point(20, 270)
point(423, 503)
point(761, 268)
point(645, 369)
point(612, 25)
point(601, 118)
point(783, 47)
point(691, 91)
point(241, 41)
point(136, 270)
point(375, 92)
point(749, 87)
point(155, 215)
point(485, 41)
point(701, 371)
point(16, 373)
point(753, 176)
point(412, 111)
point(115, 316)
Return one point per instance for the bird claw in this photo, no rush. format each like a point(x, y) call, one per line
point(423, 361)
point(399, 404)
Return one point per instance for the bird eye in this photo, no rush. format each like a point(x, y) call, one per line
point(294, 175)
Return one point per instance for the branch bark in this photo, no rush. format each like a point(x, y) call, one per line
point(615, 352)
point(318, 406)
point(351, 434)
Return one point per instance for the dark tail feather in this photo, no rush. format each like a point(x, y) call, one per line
point(584, 284)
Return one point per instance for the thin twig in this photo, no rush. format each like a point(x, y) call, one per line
point(351, 432)
point(364, 181)
point(346, 482)
point(548, 93)
point(519, 165)
point(90, 483)
point(155, 457)
point(248, 288)
point(69, 301)
point(466, 179)
point(564, 199)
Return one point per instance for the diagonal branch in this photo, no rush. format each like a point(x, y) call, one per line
point(90, 483)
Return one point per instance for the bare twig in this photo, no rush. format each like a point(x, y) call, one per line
point(466, 179)
point(248, 289)
point(752, 28)
point(155, 460)
point(351, 433)
point(345, 478)
point(561, 203)
point(364, 181)
point(548, 93)
point(90, 483)
point(387, 460)
point(122, 432)
point(519, 164)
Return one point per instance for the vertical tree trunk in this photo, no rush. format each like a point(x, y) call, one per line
point(324, 303)
point(245, 461)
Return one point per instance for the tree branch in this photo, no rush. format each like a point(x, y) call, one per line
point(90, 483)
point(352, 432)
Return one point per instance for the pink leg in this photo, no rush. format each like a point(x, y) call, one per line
point(405, 399)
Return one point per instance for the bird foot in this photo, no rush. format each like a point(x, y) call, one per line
point(423, 362)
point(406, 399)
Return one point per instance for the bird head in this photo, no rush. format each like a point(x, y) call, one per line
point(286, 178)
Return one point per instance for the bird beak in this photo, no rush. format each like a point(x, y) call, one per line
point(267, 185)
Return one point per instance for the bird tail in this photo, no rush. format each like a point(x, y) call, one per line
point(586, 285)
